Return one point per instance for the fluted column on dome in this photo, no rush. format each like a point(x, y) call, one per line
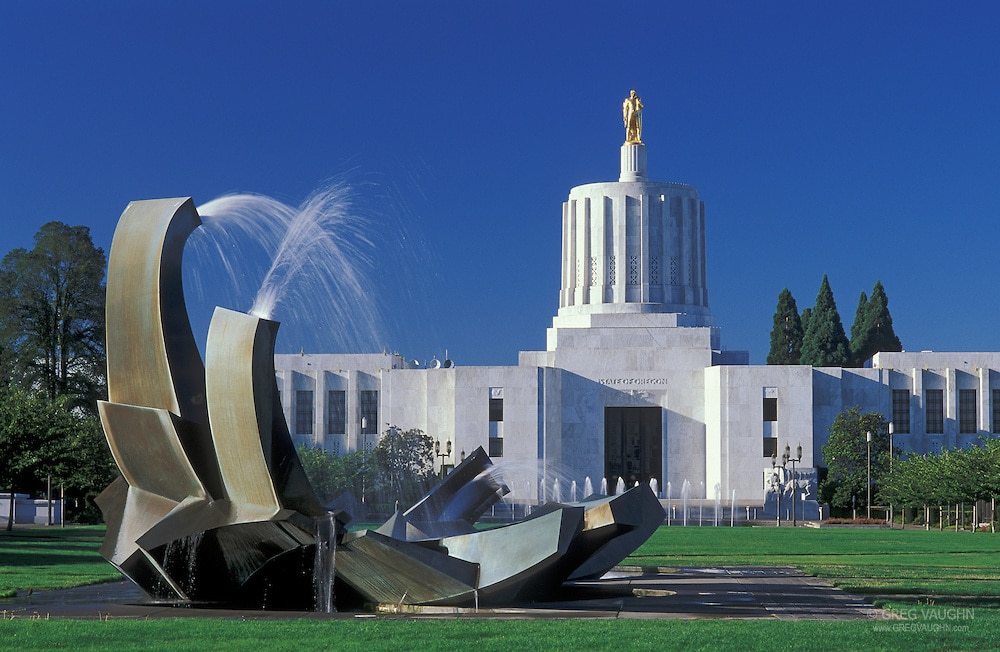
point(633, 162)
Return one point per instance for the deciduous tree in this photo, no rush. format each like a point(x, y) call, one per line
point(42, 439)
point(52, 315)
point(846, 457)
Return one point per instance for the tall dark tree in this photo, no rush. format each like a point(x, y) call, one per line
point(786, 335)
point(806, 314)
point(825, 343)
point(859, 331)
point(875, 332)
point(52, 315)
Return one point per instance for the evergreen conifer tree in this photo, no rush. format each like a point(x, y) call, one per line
point(875, 332)
point(859, 331)
point(825, 343)
point(786, 335)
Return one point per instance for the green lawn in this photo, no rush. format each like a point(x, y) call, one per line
point(862, 561)
point(945, 565)
point(52, 558)
point(981, 632)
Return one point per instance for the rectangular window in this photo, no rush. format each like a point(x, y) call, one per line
point(770, 409)
point(368, 400)
point(967, 422)
point(934, 409)
point(496, 409)
point(996, 410)
point(336, 412)
point(304, 412)
point(901, 411)
point(496, 422)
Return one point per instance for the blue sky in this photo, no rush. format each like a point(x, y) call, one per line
point(860, 140)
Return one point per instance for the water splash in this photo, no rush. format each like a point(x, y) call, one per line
point(324, 565)
point(588, 487)
point(685, 497)
point(669, 506)
point(315, 260)
point(620, 486)
point(718, 504)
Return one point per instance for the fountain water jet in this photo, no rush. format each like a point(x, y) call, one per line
point(669, 506)
point(718, 504)
point(324, 565)
point(685, 497)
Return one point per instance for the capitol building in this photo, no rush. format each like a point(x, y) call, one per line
point(634, 382)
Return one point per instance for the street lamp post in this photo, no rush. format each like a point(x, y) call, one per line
point(891, 515)
point(869, 443)
point(446, 454)
point(788, 458)
point(776, 483)
point(364, 455)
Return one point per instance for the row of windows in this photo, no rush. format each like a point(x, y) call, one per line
point(336, 412)
point(968, 412)
point(336, 415)
point(968, 420)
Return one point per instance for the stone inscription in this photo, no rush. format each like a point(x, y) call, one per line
point(620, 382)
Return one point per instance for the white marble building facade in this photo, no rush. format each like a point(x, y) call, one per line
point(634, 381)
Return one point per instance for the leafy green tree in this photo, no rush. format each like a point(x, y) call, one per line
point(405, 461)
point(825, 343)
point(786, 334)
point(332, 475)
point(52, 315)
point(955, 475)
point(400, 469)
point(41, 439)
point(872, 330)
point(846, 457)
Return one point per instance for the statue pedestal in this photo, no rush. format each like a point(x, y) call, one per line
point(633, 162)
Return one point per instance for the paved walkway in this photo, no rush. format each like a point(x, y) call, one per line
point(676, 593)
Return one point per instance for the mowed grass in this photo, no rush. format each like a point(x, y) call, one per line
point(859, 560)
point(52, 558)
point(981, 631)
point(943, 565)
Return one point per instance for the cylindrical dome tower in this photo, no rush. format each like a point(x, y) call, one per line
point(634, 246)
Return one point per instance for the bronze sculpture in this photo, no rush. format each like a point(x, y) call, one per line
point(213, 505)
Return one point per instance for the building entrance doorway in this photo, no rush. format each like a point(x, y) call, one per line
point(633, 448)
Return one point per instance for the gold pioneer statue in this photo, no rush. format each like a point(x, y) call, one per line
point(632, 115)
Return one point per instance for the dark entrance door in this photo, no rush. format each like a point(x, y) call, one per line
point(633, 447)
